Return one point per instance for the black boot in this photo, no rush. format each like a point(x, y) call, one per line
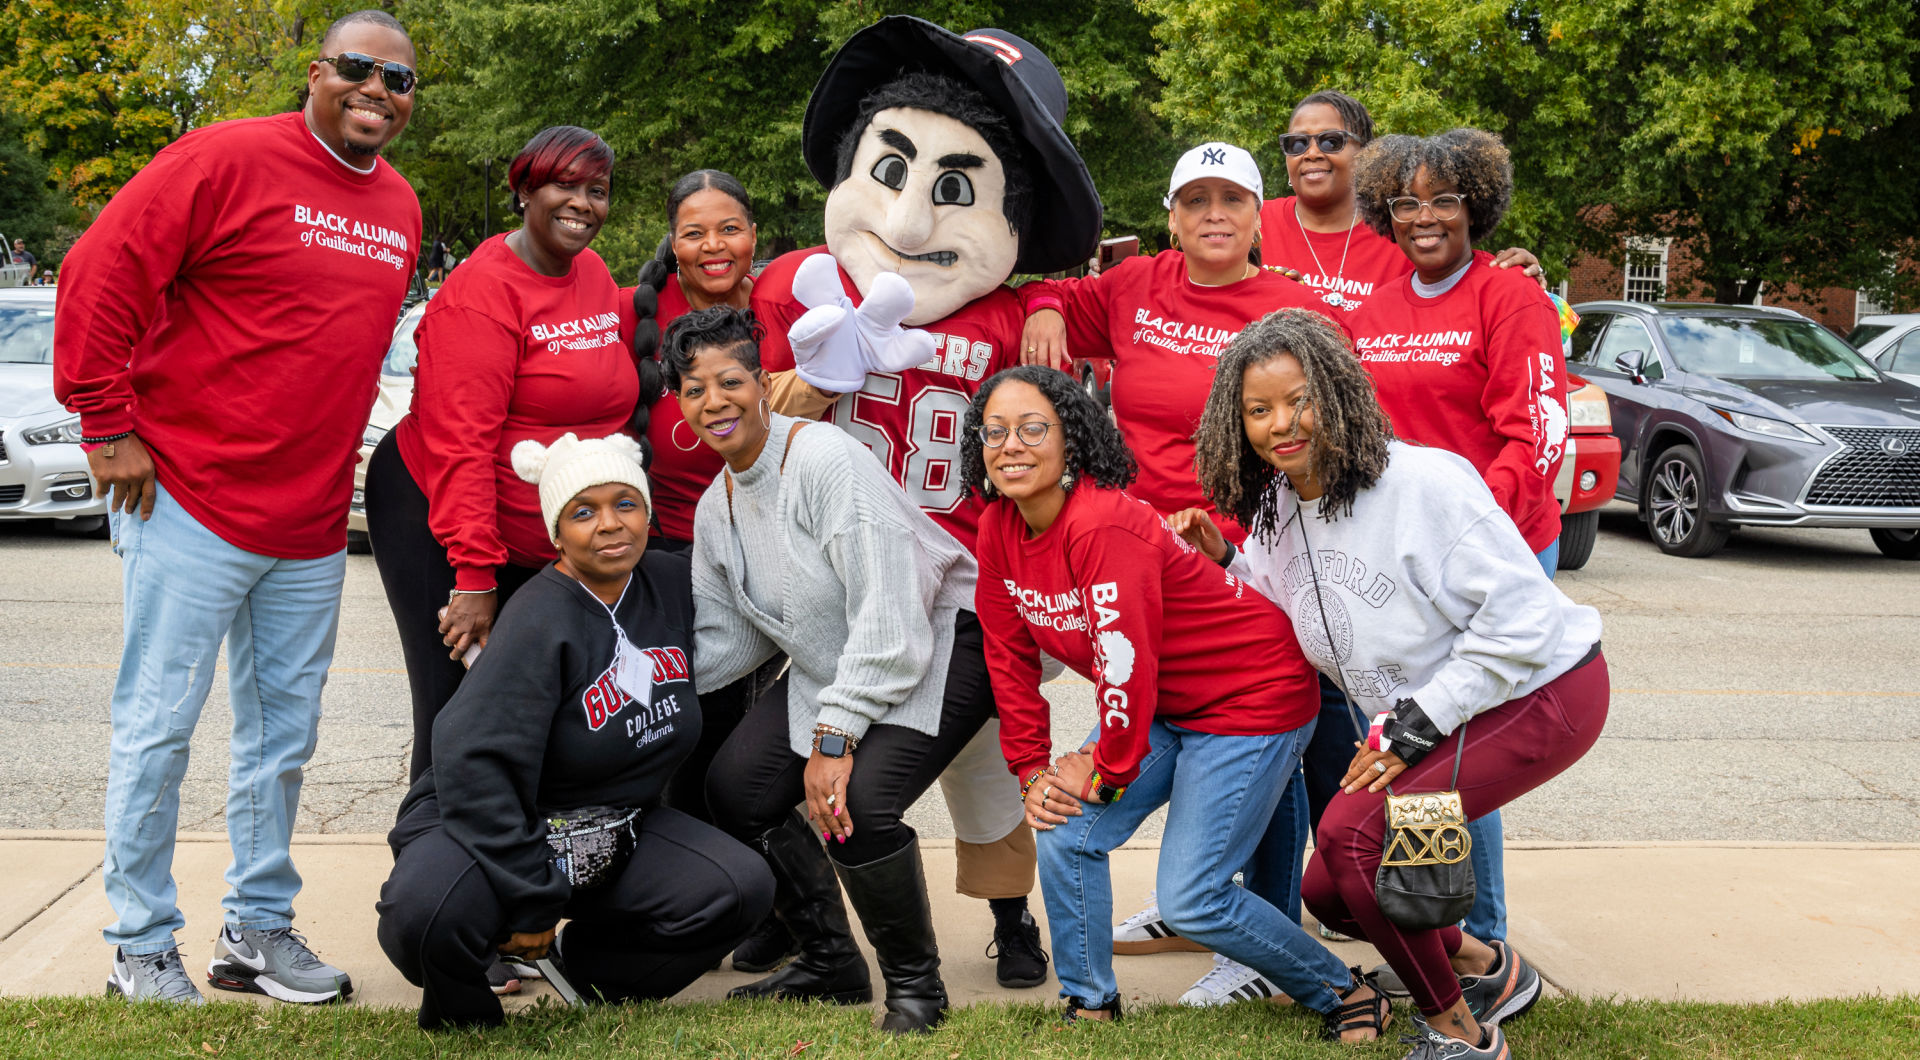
point(891, 898)
point(806, 897)
point(763, 950)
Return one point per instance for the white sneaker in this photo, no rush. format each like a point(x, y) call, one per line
point(1229, 981)
point(1145, 932)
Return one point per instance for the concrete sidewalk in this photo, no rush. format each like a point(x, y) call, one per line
point(1709, 922)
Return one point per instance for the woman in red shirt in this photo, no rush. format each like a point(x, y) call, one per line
point(1072, 566)
point(706, 260)
point(522, 342)
point(1163, 320)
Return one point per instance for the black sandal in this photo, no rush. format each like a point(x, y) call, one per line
point(1074, 1008)
point(1375, 1012)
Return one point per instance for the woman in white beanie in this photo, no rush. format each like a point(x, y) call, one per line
point(579, 710)
point(806, 545)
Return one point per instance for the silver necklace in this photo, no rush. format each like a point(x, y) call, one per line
point(1334, 297)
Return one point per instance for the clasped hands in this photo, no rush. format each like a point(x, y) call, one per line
point(1054, 796)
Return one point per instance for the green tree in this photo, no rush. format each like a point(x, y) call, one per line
point(29, 208)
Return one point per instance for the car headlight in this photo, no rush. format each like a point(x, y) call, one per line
point(1770, 428)
point(373, 435)
point(1588, 408)
point(67, 430)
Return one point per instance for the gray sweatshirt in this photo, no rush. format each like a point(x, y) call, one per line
point(830, 562)
point(1430, 592)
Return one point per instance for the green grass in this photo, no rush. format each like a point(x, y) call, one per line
point(1560, 1028)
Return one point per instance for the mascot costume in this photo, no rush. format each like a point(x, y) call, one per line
point(948, 171)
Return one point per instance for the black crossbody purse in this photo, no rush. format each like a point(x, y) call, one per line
point(591, 844)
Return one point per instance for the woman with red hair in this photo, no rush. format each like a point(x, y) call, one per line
point(522, 342)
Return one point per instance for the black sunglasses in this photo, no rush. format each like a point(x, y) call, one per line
point(355, 68)
point(1331, 142)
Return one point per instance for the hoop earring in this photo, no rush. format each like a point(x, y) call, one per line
point(1176, 239)
point(766, 414)
point(674, 436)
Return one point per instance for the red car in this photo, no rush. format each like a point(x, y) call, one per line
point(1589, 472)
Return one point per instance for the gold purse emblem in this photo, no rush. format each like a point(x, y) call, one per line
point(1426, 829)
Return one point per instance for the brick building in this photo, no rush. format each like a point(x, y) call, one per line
point(1656, 270)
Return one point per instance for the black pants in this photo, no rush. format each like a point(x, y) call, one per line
point(756, 778)
point(417, 577)
point(688, 895)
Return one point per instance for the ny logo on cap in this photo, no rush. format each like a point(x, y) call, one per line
point(1008, 53)
point(1213, 156)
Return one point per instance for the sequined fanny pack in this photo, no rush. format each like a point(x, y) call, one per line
point(591, 845)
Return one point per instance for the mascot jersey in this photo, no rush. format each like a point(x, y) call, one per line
point(912, 420)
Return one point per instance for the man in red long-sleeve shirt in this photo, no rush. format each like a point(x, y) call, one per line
point(219, 331)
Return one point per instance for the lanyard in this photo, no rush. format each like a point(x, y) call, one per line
point(632, 670)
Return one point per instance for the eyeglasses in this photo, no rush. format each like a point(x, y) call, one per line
point(354, 68)
point(1445, 207)
point(1032, 432)
point(1331, 142)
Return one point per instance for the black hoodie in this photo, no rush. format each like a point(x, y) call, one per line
point(538, 724)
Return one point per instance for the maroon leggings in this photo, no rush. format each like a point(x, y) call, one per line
point(1511, 749)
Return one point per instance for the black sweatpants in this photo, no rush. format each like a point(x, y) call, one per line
point(687, 896)
point(418, 578)
point(756, 779)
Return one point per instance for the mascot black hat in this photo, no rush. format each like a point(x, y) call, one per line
point(1014, 76)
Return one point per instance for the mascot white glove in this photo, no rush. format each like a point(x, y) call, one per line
point(835, 345)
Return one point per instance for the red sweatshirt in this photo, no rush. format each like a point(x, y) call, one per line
point(1478, 371)
point(1161, 631)
point(232, 305)
point(1330, 261)
point(683, 465)
point(911, 420)
point(1164, 332)
point(507, 354)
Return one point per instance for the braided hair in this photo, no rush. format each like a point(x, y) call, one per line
point(1095, 450)
point(1348, 450)
point(655, 273)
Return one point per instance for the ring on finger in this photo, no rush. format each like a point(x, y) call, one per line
point(1380, 766)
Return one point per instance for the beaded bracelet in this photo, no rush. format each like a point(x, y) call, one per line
point(1027, 784)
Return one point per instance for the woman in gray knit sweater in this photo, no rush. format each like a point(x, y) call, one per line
point(805, 545)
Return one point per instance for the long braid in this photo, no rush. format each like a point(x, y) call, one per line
point(1350, 433)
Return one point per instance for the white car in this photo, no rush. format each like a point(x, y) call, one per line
point(43, 471)
point(1892, 343)
point(392, 402)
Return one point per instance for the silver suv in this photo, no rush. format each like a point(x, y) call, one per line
point(1751, 416)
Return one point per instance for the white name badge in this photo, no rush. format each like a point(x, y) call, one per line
point(633, 673)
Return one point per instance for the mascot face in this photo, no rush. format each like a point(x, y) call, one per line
point(924, 199)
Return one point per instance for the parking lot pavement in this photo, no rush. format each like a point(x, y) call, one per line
point(1767, 693)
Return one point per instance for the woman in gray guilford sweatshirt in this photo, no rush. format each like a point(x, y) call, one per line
point(805, 545)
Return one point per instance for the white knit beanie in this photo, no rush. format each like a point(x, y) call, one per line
point(569, 465)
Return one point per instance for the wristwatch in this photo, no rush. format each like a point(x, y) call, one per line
point(832, 744)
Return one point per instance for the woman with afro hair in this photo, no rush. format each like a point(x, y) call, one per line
point(1466, 357)
point(1205, 700)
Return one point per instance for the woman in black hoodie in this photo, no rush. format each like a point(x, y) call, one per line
point(583, 698)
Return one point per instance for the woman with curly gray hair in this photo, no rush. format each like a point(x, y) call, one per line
point(1072, 566)
point(1408, 586)
point(1466, 357)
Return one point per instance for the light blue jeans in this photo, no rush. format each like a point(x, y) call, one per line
point(1220, 793)
point(185, 590)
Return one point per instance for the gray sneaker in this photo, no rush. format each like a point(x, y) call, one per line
point(152, 977)
point(277, 963)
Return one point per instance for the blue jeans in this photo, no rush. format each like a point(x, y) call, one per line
point(1220, 793)
point(184, 591)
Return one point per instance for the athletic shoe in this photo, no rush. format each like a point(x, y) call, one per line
point(1020, 961)
point(1334, 936)
point(1229, 981)
point(277, 963)
point(1145, 932)
point(1432, 1045)
point(524, 969)
point(152, 977)
point(502, 979)
point(1508, 989)
point(1387, 981)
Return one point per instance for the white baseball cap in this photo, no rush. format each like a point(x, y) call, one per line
point(1215, 160)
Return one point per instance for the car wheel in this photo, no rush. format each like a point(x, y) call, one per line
point(1577, 533)
point(1899, 544)
point(358, 543)
point(1676, 505)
